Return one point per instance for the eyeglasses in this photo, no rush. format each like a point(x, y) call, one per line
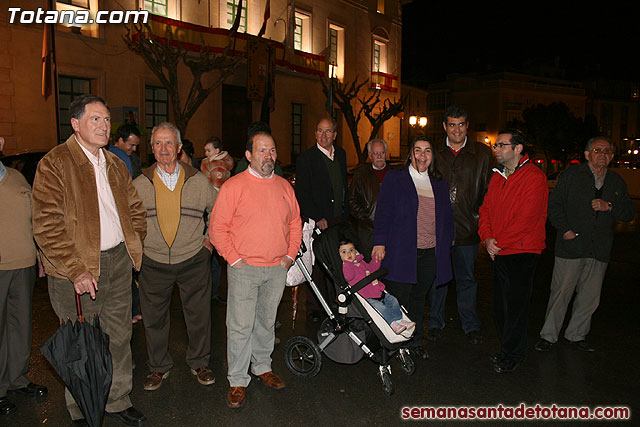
point(326, 131)
point(500, 145)
point(602, 150)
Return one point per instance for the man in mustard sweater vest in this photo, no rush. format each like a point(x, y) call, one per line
point(17, 278)
point(256, 227)
point(176, 251)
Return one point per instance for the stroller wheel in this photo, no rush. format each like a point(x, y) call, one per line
point(406, 362)
point(302, 356)
point(387, 383)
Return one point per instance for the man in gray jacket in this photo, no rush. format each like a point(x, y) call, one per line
point(176, 251)
point(584, 207)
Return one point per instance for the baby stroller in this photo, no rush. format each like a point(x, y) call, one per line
point(354, 328)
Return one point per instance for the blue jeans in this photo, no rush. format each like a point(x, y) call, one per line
point(389, 307)
point(253, 296)
point(464, 260)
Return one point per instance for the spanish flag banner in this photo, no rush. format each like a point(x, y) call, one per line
point(195, 37)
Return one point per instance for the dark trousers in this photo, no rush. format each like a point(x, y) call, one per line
point(216, 272)
point(193, 278)
point(325, 286)
point(414, 296)
point(16, 291)
point(512, 287)
point(113, 305)
point(135, 296)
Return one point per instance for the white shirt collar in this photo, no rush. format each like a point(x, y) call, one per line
point(98, 161)
point(463, 144)
point(326, 152)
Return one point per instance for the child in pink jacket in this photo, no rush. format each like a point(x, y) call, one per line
point(355, 268)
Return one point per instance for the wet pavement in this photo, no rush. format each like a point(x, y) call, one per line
point(456, 374)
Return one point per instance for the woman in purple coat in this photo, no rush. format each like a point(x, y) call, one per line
point(413, 233)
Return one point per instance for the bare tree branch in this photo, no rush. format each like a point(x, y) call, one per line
point(346, 98)
point(163, 57)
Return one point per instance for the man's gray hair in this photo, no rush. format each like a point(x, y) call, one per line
point(382, 141)
point(597, 138)
point(166, 125)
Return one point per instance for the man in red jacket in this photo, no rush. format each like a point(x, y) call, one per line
point(512, 227)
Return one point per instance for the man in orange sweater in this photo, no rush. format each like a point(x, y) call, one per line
point(256, 227)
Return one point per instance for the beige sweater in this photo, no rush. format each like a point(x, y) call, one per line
point(17, 247)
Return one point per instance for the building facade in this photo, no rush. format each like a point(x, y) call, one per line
point(346, 38)
point(494, 99)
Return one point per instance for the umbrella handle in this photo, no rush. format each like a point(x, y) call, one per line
point(78, 307)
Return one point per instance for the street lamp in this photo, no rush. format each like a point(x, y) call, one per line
point(416, 121)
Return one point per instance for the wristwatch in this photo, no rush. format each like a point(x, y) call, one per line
point(610, 206)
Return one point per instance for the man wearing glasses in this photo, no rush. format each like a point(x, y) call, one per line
point(584, 206)
point(322, 193)
point(512, 228)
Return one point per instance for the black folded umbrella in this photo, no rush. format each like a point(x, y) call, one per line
point(79, 352)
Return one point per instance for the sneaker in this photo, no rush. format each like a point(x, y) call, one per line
point(398, 327)
point(582, 345)
point(543, 345)
point(496, 357)
point(505, 366)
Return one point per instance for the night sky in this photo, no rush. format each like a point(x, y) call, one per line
point(441, 37)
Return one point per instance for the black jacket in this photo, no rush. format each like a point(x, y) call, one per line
point(570, 209)
point(363, 195)
point(313, 185)
point(468, 175)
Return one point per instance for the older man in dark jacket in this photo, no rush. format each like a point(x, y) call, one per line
point(584, 207)
point(467, 167)
point(322, 193)
point(363, 191)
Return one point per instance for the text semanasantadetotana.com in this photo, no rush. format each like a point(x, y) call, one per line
point(521, 412)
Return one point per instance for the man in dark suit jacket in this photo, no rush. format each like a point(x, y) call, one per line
point(322, 193)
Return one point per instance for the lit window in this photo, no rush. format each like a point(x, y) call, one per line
point(336, 51)
point(302, 32)
point(157, 7)
point(69, 87)
point(333, 46)
point(379, 56)
point(80, 3)
point(232, 7)
point(156, 106)
point(380, 8)
point(69, 8)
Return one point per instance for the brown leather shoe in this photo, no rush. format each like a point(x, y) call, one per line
point(204, 375)
point(154, 380)
point(271, 380)
point(235, 397)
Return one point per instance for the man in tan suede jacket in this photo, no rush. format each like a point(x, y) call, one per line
point(89, 223)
